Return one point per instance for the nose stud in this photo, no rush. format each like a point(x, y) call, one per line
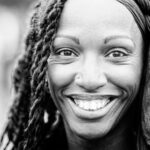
point(78, 77)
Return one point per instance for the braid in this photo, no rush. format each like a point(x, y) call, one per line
point(37, 129)
point(144, 134)
point(27, 129)
point(18, 114)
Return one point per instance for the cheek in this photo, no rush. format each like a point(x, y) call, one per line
point(60, 75)
point(127, 78)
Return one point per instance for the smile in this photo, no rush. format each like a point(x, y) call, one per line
point(91, 102)
point(91, 105)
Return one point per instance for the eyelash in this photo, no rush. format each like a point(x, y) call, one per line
point(117, 51)
point(71, 53)
point(63, 50)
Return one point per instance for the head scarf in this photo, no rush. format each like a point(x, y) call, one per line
point(140, 9)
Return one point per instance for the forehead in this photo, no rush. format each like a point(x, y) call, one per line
point(86, 11)
point(98, 18)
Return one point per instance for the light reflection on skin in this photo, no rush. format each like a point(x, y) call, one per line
point(95, 55)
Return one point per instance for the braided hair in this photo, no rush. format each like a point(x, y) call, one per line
point(33, 118)
point(26, 128)
point(143, 139)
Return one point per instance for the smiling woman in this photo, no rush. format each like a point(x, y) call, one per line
point(82, 82)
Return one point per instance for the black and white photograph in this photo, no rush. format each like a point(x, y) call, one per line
point(75, 74)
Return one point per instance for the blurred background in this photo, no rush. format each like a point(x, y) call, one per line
point(14, 16)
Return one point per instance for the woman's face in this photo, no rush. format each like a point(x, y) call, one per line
point(95, 68)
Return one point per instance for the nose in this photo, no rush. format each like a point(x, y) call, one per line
point(91, 77)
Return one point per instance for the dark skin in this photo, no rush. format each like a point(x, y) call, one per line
point(114, 71)
point(120, 138)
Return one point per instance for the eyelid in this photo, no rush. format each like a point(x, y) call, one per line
point(119, 49)
point(57, 50)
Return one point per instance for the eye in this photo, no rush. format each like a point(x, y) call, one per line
point(117, 53)
point(66, 52)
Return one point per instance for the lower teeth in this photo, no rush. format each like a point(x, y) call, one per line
point(91, 105)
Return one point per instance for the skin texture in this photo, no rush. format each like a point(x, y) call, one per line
point(95, 55)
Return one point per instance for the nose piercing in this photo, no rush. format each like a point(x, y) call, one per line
point(78, 77)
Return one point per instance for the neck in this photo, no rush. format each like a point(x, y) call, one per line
point(120, 138)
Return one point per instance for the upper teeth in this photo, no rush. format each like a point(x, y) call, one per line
point(91, 104)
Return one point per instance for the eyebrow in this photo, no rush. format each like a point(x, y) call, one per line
point(110, 38)
point(106, 40)
point(73, 38)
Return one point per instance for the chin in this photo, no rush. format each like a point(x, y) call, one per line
point(88, 131)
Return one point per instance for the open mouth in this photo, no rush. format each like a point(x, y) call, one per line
point(91, 103)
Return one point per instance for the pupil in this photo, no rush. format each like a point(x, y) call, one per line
point(67, 53)
point(116, 54)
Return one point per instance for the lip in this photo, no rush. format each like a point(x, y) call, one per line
point(91, 115)
point(92, 96)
